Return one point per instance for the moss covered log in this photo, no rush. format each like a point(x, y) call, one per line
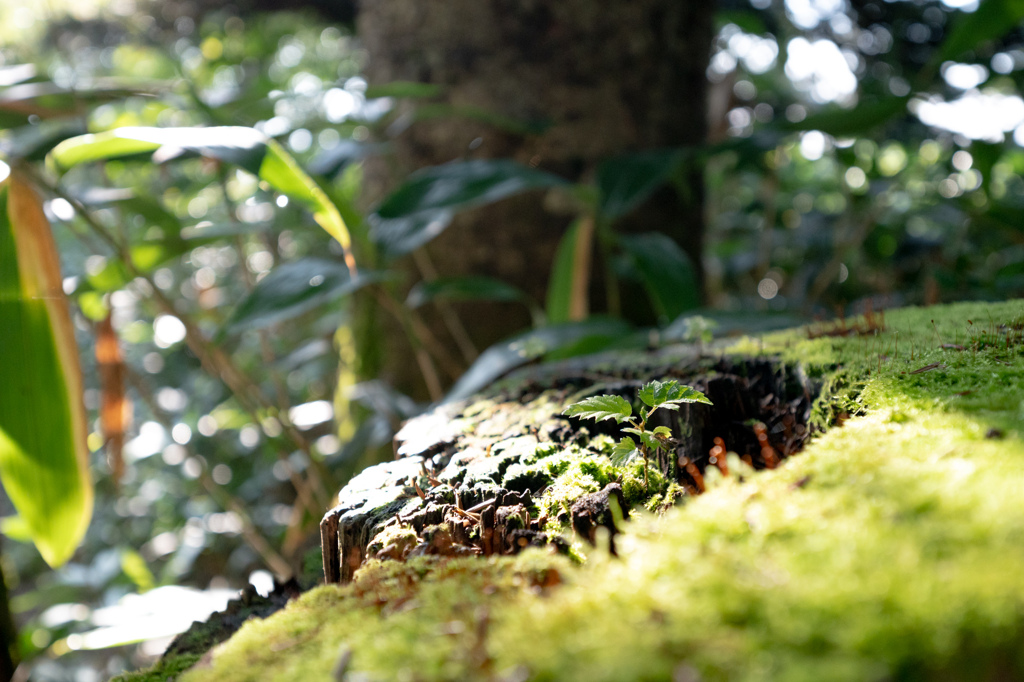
point(889, 548)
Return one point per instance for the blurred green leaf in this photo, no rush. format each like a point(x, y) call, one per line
point(625, 182)
point(499, 122)
point(403, 89)
point(520, 349)
point(43, 455)
point(399, 236)
point(567, 282)
point(111, 277)
point(993, 19)
point(747, 20)
point(244, 147)
point(135, 567)
point(332, 161)
point(463, 184)
point(665, 270)
point(861, 119)
point(463, 289)
point(292, 289)
point(15, 528)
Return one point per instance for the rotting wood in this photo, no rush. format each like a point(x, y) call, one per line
point(450, 482)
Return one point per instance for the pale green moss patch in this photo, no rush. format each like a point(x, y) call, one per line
point(891, 548)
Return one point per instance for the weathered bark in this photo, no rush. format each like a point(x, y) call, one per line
point(601, 79)
point(467, 478)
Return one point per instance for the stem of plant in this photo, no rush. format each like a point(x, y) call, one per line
point(253, 537)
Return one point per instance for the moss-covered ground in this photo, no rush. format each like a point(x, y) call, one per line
point(891, 548)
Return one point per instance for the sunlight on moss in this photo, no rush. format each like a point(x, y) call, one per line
point(890, 548)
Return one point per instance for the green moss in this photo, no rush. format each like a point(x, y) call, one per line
point(396, 538)
point(578, 477)
point(165, 670)
point(889, 549)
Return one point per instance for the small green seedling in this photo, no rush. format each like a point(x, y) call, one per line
point(668, 395)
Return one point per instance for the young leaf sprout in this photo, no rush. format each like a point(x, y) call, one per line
point(655, 395)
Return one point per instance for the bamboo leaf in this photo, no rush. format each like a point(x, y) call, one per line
point(43, 453)
point(403, 89)
point(859, 120)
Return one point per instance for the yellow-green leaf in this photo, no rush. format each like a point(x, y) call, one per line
point(43, 453)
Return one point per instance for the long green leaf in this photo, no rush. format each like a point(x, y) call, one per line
point(463, 289)
point(861, 119)
point(43, 453)
point(625, 182)
point(993, 19)
point(243, 147)
point(396, 237)
point(295, 288)
point(504, 356)
point(666, 272)
point(570, 273)
point(464, 184)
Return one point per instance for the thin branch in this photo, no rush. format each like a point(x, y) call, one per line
point(213, 359)
point(448, 314)
point(225, 499)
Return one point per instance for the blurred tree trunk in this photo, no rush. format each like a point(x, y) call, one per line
point(598, 78)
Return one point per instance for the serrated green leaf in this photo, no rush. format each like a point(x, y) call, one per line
point(43, 453)
point(668, 394)
point(662, 432)
point(624, 451)
point(601, 407)
point(646, 437)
